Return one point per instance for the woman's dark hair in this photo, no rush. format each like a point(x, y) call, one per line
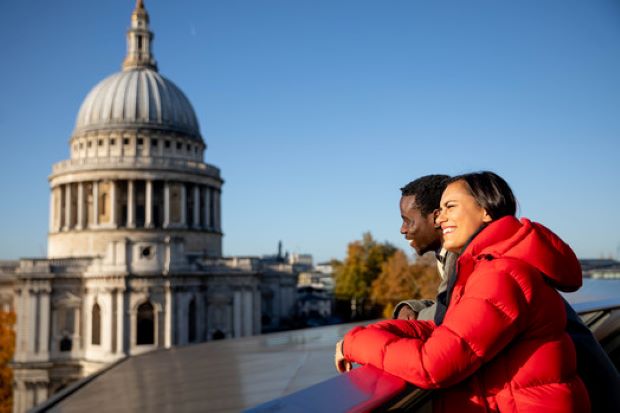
point(490, 191)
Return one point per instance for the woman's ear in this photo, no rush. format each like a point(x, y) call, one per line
point(486, 218)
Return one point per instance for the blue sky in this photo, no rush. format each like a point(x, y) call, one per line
point(317, 112)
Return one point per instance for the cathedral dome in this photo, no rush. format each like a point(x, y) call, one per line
point(137, 97)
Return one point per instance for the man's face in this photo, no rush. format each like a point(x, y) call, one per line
point(418, 229)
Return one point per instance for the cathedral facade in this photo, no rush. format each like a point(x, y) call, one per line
point(135, 240)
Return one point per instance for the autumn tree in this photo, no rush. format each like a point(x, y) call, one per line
point(401, 280)
point(362, 265)
point(7, 345)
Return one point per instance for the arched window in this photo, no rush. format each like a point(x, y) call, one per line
point(96, 325)
point(191, 319)
point(102, 206)
point(145, 324)
point(65, 344)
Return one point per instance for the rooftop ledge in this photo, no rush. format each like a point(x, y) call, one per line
point(121, 162)
point(279, 372)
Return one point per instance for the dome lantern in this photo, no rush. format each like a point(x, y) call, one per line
point(138, 96)
point(139, 39)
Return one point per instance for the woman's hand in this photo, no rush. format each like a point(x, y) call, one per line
point(342, 364)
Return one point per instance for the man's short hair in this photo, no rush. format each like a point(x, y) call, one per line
point(427, 191)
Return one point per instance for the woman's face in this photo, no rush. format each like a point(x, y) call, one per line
point(460, 216)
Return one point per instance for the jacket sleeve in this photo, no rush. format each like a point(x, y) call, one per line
point(415, 305)
point(476, 327)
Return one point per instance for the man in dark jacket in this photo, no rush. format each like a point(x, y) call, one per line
point(418, 204)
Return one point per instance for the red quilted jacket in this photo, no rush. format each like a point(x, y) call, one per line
point(502, 345)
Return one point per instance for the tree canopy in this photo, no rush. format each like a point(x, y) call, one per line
point(401, 280)
point(362, 265)
point(7, 345)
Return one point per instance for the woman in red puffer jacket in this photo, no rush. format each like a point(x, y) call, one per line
point(502, 345)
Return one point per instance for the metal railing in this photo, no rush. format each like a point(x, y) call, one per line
point(368, 389)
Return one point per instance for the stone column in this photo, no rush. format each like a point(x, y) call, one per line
point(106, 320)
point(247, 312)
point(257, 311)
point(95, 203)
point(218, 211)
point(32, 321)
point(207, 207)
point(237, 307)
point(67, 207)
point(168, 317)
point(196, 206)
point(131, 207)
point(44, 320)
point(148, 213)
point(166, 204)
point(41, 392)
point(24, 319)
point(80, 206)
point(77, 344)
point(113, 206)
point(52, 227)
point(120, 310)
point(183, 206)
point(20, 330)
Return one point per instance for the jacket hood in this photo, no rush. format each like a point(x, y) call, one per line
point(532, 243)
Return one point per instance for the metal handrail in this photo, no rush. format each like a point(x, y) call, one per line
point(369, 389)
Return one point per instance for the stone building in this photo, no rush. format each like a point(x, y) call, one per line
point(135, 240)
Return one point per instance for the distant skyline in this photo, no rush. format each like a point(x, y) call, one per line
point(318, 112)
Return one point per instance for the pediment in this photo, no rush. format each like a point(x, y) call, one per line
point(67, 299)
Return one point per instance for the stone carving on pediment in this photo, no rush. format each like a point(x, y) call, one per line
point(67, 299)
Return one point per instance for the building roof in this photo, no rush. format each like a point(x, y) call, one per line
point(137, 98)
point(218, 376)
point(231, 375)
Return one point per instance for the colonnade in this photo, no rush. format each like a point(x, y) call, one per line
point(134, 204)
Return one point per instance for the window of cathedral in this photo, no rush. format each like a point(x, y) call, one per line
point(153, 142)
point(146, 252)
point(81, 145)
point(145, 324)
point(96, 325)
point(112, 142)
point(65, 344)
point(102, 203)
point(189, 147)
point(179, 146)
point(167, 144)
point(125, 141)
point(100, 142)
point(140, 141)
point(89, 144)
